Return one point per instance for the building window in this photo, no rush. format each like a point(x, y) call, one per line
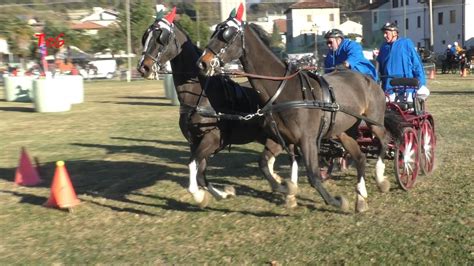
point(452, 16)
point(407, 2)
point(443, 42)
point(406, 24)
point(459, 36)
point(396, 22)
point(309, 18)
point(394, 3)
point(418, 22)
point(418, 44)
point(375, 17)
point(331, 17)
point(440, 18)
point(401, 2)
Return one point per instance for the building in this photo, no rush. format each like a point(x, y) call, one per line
point(450, 21)
point(307, 21)
point(99, 19)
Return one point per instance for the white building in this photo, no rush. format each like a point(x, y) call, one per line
point(307, 22)
point(452, 21)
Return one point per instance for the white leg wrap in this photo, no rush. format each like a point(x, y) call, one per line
point(270, 164)
point(379, 171)
point(294, 173)
point(193, 187)
point(361, 189)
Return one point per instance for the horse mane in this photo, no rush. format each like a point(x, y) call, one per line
point(261, 33)
point(180, 27)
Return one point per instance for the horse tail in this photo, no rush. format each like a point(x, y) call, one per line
point(394, 123)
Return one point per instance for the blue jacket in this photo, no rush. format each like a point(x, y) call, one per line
point(399, 59)
point(351, 52)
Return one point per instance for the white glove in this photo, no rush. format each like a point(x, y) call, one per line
point(423, 93)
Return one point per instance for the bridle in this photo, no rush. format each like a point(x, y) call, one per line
point(166, 35)
point(227, 31)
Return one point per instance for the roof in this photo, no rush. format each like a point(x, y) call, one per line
point(309, 4)
point(281, 25)
point(87, 25)
point(374, 5)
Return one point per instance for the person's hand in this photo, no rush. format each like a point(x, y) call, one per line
point(423, 93)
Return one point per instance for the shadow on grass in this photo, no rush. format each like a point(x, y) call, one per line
point(119, 177)
point(138, 103)
point(452, 92)
point(18, 109)
point(143, 98)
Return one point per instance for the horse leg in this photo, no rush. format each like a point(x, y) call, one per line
point(310, 156)
point(266, 163)
point(382, 182)
point(353, 148)
point(198, 163)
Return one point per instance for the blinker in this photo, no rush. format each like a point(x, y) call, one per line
point(229, 34)
point(164, 37)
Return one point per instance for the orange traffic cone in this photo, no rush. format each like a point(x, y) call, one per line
point(432, 74)
point(62, 193)
point(26, 174)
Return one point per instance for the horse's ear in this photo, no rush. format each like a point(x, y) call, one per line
point(240, 12)
point(232, 13)
point(159, 15)
point(171, 15)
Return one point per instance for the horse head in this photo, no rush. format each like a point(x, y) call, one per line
point(159, 46)
point(226, 44)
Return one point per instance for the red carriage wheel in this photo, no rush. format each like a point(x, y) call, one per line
point(407, 159)
point(427, 140)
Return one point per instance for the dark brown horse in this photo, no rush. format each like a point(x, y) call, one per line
point(206, 131)
point(298, 106)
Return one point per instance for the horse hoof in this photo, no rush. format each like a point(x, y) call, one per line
point(230, 190)
point(205, 200)
point(292, 188)
point(384, 186)
point(361, 204)
point(290, 202)
point(343, 203)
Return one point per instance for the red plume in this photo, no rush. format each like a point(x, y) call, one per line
point(171, 15)
point(240, 12)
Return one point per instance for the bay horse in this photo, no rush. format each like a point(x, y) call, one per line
point(205, 131)
point(297, 108)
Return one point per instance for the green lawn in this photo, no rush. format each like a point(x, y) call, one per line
point(127, 160)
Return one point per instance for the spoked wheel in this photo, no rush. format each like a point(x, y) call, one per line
point(427, 140)
point(407, 159)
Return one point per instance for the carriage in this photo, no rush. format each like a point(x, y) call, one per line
point(415, 149)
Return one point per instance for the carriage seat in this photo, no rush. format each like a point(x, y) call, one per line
point(405, 89)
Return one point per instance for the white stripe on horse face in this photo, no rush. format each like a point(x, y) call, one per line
point(294, 172)
point(361, 189)
point(193, 187)
point(145, 46)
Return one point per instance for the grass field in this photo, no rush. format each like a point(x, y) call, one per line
point(127, 161)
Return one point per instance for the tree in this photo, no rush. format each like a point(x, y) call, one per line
point(18, 33)
point(276, 38)
point(199, 35)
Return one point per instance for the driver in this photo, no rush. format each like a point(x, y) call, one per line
point(346, 53)
point(398, 58)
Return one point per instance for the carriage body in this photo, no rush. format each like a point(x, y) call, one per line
point(414, 151)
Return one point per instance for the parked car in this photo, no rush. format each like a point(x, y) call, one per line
point(99, 69)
